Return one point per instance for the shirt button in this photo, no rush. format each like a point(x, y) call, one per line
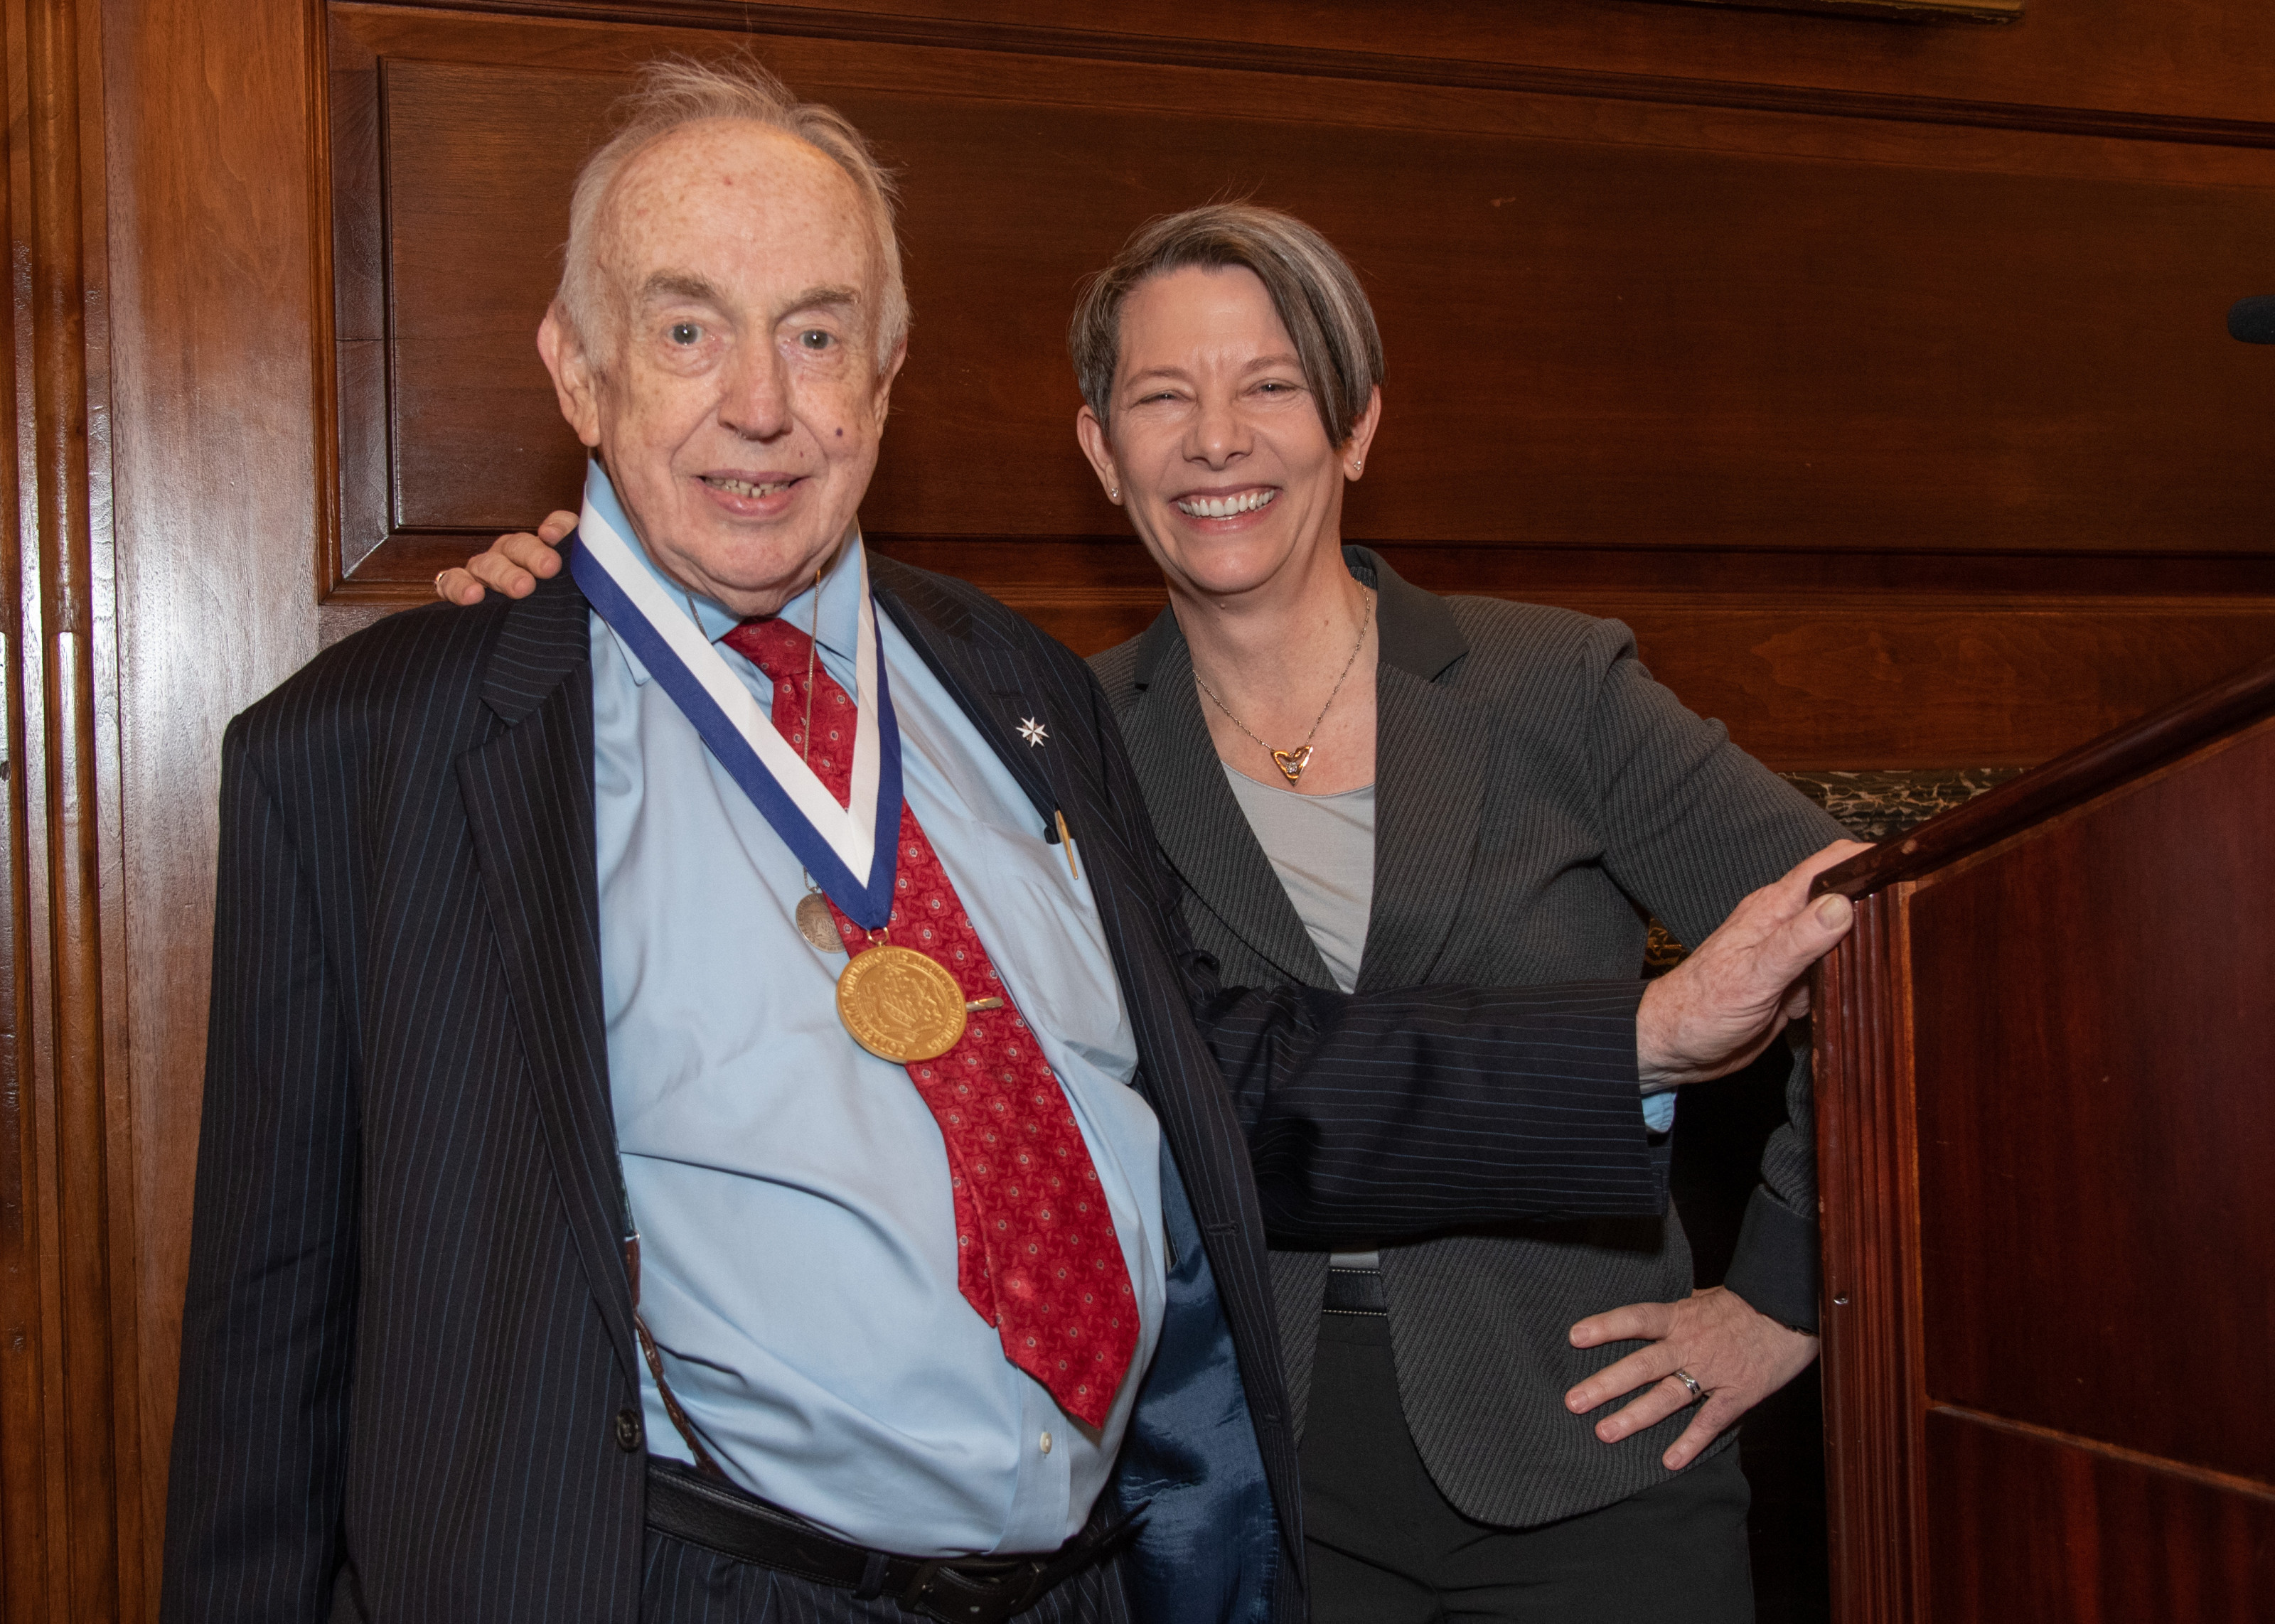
point(628, 1430)
point(1046, 1443)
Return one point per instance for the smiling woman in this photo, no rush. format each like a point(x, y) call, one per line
point(1231, 375)
point(1381, 788)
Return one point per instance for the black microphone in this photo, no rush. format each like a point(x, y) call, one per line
point(2253, 320)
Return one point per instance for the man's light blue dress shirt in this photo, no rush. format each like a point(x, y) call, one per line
point(791, 1189)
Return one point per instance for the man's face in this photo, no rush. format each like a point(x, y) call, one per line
point(734, 393)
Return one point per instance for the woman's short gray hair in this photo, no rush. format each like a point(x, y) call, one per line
point(674, 92)
point(1312, 287)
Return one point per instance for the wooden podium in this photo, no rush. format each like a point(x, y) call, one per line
point(2045, 1087)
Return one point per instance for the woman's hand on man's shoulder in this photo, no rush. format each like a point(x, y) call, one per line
point(513, 564)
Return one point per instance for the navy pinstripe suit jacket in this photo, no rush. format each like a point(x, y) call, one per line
point(408, 1386)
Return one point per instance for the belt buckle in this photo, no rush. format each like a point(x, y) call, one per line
point(973, 1599)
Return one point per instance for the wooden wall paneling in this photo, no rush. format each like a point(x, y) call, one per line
point(1860, 1031)
point(1915, 682)
point(216, 233)
point(74, 1528)
point(2182, 68)
point(2082, 1258)
point(1810, 667)
point(2142, 747)
point(1564, 387)
point(1880, 378)
point(24, 1275)
point(968, 55)
point(2027, 1521)
point(476, 443)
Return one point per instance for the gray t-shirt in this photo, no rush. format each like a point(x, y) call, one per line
point(1322, 847)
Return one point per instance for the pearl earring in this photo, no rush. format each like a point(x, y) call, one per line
point(1114, 495)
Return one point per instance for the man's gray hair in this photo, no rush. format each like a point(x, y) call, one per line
point(675, 91)
point(1312, 287)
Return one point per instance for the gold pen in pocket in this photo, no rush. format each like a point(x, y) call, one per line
point(1066, 842)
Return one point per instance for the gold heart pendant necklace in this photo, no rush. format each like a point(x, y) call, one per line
point(1291, 763)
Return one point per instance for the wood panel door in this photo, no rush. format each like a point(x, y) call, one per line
point(2046, 1118)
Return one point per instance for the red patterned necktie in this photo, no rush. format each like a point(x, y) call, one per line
point(1036, 1252)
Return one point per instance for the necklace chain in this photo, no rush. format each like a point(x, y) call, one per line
point(1292, 762)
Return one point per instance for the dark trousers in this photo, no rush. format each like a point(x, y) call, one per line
point(1384, 1547)
point(688, 1584)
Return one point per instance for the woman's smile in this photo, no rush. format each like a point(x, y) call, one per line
point(1237, 504)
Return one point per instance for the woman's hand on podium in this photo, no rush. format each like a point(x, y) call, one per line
point(1720, 1006)
point(1709, 1015)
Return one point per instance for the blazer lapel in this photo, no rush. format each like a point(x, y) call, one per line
point(989, 679)
point(1199, 821)
point(528, 793)
point(1431, 747)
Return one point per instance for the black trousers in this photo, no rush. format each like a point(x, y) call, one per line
point(689, 1584)
point(1384, 1547)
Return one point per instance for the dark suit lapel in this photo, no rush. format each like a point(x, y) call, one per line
point(1431, 747)
point(991, 681)
point(1000, 688)
point(1199, 822)
point(529, 799)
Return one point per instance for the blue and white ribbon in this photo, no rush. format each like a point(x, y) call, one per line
point(851, 850)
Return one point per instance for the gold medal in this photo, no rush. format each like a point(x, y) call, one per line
point(815, 923)
point(900, 1005)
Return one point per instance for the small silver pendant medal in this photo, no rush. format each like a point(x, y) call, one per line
point(815, 923)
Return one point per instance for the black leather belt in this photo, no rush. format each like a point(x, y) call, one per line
point(972, 1590)
point(1356, 1291)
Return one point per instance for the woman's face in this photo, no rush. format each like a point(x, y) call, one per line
point(1216, 446)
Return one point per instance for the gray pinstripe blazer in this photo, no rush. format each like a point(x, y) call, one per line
point(408, 1383)
point(1535, 792)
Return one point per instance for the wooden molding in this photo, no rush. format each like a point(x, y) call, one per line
point(1812, 660)
point(400, 567)
point(24, 1389)
point(1886, 10)
point(823, 23)
point(216, 478)
point(1863, 1152)
point(324, 361)
point(74, 1531)
point(2226, 1483)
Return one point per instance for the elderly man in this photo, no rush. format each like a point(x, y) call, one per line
point(711, 1112)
